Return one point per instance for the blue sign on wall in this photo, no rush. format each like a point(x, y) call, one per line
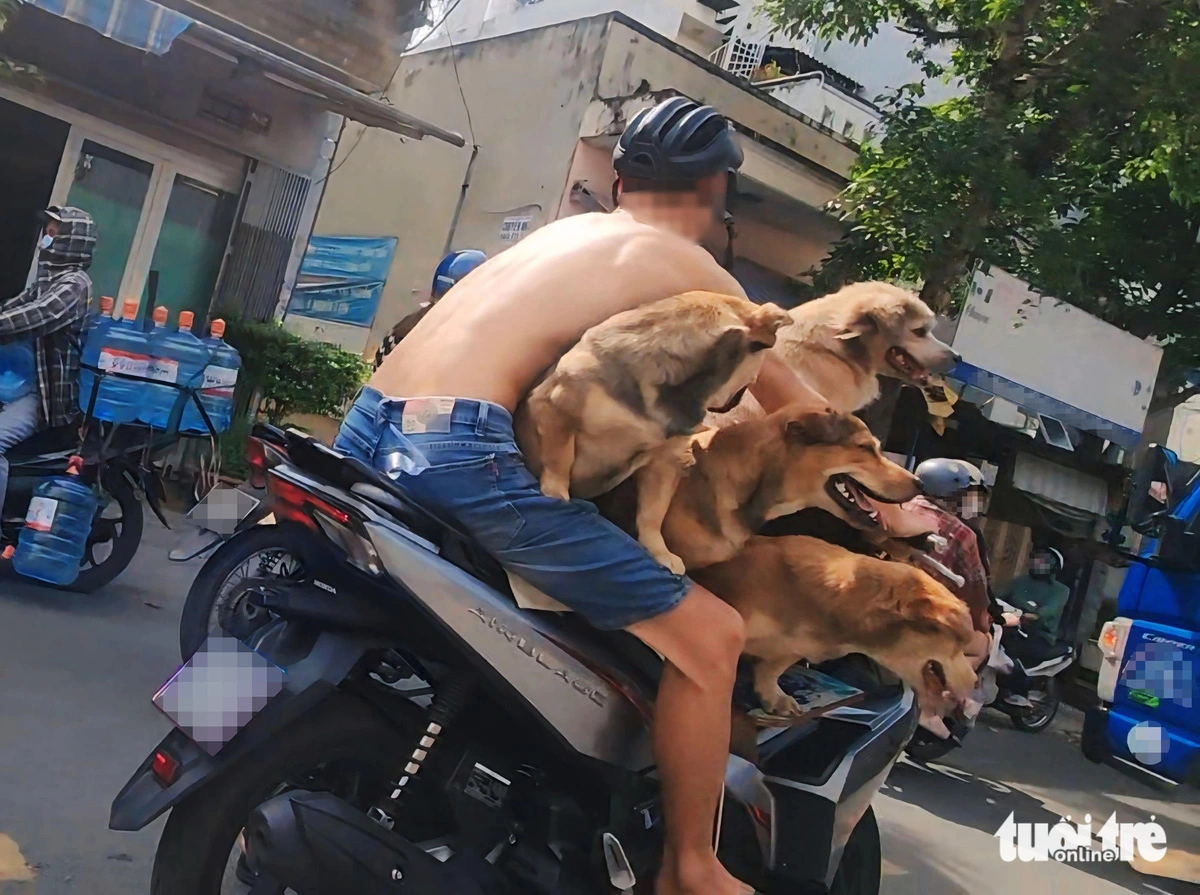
point(342, 278)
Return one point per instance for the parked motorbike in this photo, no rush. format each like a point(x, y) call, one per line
point(1026, 689)
point(395, 723)
point(117, 466)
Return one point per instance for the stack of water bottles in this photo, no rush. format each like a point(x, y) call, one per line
point(152, 376)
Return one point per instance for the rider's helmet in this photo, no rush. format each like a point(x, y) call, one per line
point(942, 477)
point(678, 142)
point(453, 268)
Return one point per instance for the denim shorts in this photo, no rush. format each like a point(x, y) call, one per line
point(471, 473)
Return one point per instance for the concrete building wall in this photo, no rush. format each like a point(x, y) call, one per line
point(526, 95)
point(687, 22)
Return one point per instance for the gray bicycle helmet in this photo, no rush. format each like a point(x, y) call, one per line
point(677, 141)
point(942, 477)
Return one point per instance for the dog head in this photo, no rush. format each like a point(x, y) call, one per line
point(890, 329)
point(834, 462)
point(744, 332)
point(921, 635)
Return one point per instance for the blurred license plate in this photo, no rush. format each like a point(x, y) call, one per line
point(218, 691)
point(223, 508)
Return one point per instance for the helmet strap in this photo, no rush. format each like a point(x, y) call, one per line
point(730, 235)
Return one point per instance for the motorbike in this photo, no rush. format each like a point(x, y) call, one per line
point(117, 466)
point(393, 722)
point(1016, 681)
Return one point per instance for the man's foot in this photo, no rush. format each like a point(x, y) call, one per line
point(703, 875)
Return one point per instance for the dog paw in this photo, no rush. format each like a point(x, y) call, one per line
point(780, 704)
point(671, 561)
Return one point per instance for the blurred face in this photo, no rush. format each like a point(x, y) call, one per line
point(696, 214)
point(1042, 564)
point(973, 503)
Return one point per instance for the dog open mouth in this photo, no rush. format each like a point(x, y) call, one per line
point(853, 499)
point(907, 365)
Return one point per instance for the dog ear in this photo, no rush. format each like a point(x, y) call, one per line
point(863, 325)
point(820, 428)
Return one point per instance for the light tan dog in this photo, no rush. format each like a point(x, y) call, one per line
point(841, 344)
point(766, 468)
point(802, 598)
point(629, 396)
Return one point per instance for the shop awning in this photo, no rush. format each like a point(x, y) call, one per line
point(985, 384)
point(153, 28)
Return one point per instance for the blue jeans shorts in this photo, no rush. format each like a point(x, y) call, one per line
point(471, 473)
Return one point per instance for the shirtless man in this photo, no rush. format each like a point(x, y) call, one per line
point(485, 345)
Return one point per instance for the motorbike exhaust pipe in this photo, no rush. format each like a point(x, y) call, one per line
point(317, 844)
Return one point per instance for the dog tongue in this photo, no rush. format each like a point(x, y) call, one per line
point(906, 520)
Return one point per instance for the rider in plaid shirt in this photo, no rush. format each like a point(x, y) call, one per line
point(50, 314)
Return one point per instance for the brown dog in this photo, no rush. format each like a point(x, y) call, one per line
point(628, 397)
point(802, 598)
point(840, 344)
point(766, 468)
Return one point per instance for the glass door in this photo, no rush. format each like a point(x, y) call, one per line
point(113, 187)
point(191, 244)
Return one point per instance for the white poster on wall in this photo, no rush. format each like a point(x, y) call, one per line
point(1045, 347)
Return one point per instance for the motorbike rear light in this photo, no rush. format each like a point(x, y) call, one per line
point(261, 457)
point(293, 502)
point(164, 767)
point(1113, 638)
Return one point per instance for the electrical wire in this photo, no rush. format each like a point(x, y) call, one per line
point(461, 92)
point(432, 31)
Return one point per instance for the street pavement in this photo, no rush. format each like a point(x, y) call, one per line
point(77, 673)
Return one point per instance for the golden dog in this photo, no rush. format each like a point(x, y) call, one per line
point(628, 397)
point(802, 598)
point(841, 344)
point(766, 468)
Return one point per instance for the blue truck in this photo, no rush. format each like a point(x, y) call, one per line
point(1148, 718)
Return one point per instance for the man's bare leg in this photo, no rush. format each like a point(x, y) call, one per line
point(701, 640)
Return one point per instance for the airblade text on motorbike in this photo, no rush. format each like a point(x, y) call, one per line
point(523, 644)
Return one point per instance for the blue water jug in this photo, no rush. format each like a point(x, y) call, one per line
point(177, 358)
point(124, 349)
point(220, 378)
point(93, 338)
point(18, 371)
point(51, 545)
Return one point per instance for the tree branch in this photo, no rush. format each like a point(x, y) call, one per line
point(1174, 399)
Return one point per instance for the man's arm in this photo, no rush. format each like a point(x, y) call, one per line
point(51, 310)
point(778, 386)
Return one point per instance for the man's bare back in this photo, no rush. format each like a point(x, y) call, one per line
point(502, 326)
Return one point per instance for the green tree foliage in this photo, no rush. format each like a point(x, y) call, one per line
point(1071, 158)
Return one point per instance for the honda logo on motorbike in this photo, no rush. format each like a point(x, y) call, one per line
point(521, 642)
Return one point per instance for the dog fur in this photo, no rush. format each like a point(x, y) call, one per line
point(765, 468)
point(628, 397)
point(802, 598)
point(841, 344)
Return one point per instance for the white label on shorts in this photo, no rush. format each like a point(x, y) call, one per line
point(113, 360)
point(161, 369)
point(422, 415)
point(42, 511)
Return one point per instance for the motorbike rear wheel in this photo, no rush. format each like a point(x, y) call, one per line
point(343, 746)
point(115, 537)
point(265, 551)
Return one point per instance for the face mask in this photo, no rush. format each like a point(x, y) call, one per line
point(45, 242)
